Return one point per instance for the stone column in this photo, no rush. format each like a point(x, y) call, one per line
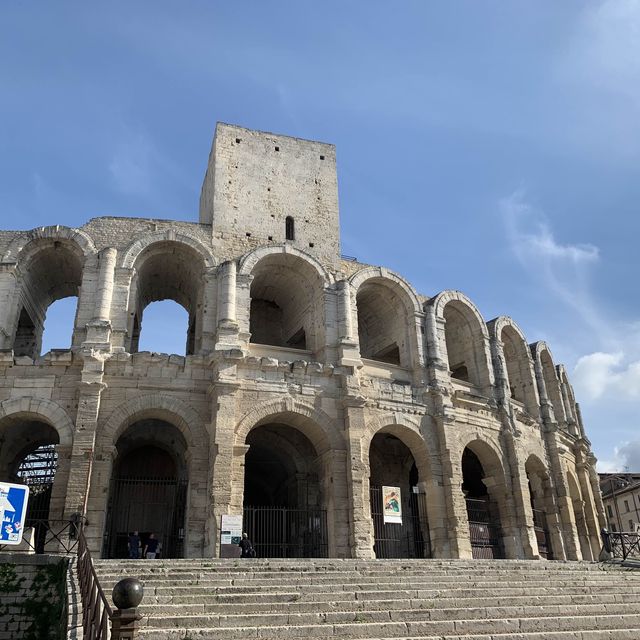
point(456, 505)
point(336, 502)
point(9, 307)
point(361, 531)
point(518, 523)
point(99, 328)
point(349, 347)
point(226, 475)
point(60, 480)
point(593, 530)
point(82, 452)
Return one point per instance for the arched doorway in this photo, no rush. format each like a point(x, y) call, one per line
point(28, 456)
point(540, 495)
point(284, 512)
point(393, 486)
point(483, 514)
point(148, 491)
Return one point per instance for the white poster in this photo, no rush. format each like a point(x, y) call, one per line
point(231, 529)
point(391, 505)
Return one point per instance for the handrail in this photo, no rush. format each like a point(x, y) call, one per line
point(96, 611)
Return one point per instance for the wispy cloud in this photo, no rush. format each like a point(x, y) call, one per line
point(600, 374)
point(562, 268)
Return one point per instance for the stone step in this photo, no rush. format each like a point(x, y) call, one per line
point(268, 605)
point(382, 616)
point(186, 597)
point(417, 629)
point(593, 634)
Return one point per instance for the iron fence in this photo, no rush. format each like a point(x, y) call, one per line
point(410, 539)
point(484, 530)
point(622, 545)
point(279, 532)
point(54, 537)
point(542, 534)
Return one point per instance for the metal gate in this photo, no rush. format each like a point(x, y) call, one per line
point(484, 530)
point(407, 540)
point(542, 534)
point(146, 505)
point(278, 532)
point(38, 471)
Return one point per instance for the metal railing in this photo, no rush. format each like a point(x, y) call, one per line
point(622, 545)
point(53, 537)
point(96, 611)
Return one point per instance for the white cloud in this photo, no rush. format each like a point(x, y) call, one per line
point(599, 374)
point(626, 457)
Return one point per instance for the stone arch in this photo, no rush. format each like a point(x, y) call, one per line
point(568, 399)
point(463, 342)
point(136, 248)
point(515, 359)
point(186, 419)
point(314, 423)
point(249, 261)
point(167, 266)
point(50, 265)
point(388, 315)
point(75, 237)
point(52, 413)
point(390, 279)
point(548, 382)
point(286, 305)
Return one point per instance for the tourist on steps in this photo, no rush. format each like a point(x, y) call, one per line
point(247, 548)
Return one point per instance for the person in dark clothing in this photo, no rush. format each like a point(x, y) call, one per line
point(151, 547)
point(134, 545)
point(246, 546)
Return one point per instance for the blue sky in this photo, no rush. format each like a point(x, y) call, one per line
point(491, 147)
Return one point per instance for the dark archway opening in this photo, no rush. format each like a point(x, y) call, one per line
point(393, 487)
point(148, 490)
point(284, 514)
point(482, 511)
point(28, 456)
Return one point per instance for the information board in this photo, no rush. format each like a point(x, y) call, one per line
point(13, 511)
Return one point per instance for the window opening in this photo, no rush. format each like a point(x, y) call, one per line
point(289, 228)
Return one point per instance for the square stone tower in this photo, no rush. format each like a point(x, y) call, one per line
point(273, 188)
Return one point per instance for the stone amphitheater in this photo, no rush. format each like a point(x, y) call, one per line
point(310, 381)
point(340, 413)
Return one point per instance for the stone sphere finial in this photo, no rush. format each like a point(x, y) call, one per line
point(127, 594)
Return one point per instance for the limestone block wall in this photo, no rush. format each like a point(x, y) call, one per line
point(32, 597)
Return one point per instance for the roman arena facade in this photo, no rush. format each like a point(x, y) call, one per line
point(310, 382)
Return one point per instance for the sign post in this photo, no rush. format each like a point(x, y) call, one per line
point(13, 511)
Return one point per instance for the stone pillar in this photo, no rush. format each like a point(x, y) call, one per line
point(336, 501)
point(361, 536)
point(99, 328)
point(349, 347)
point(82, 453)
point(60, 480)
point(226, 466)
point(456, 505)
point(8, 308)
point(593, 528)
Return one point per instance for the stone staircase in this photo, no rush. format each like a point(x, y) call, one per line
point(429, 599)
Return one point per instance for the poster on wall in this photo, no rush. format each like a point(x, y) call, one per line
point(13, 509)
point(391, 505)
point(231, 529)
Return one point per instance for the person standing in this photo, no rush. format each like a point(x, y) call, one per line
point(151, 547)
point(247, 548)
point(134, 545)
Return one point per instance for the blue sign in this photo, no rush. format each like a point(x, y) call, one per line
point(13, 509)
